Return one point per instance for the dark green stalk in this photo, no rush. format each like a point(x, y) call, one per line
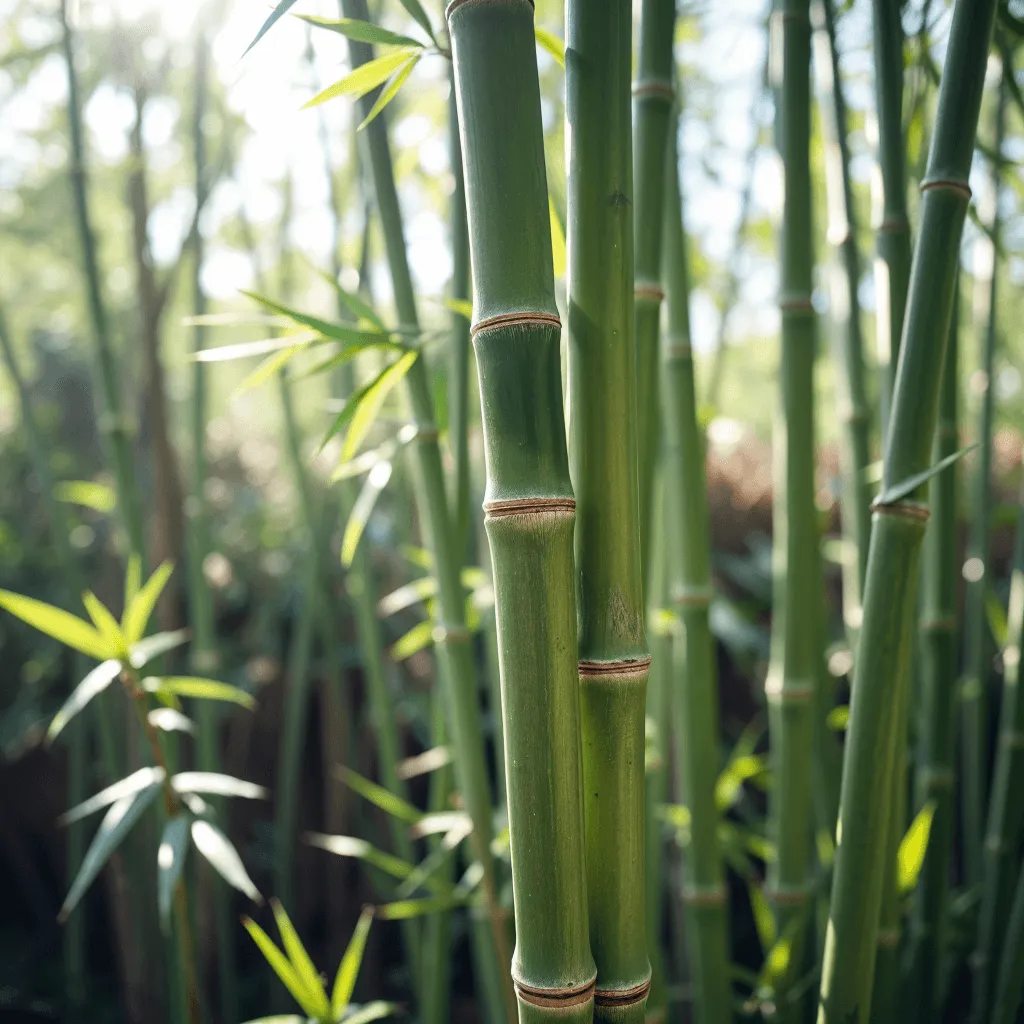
point(454, 654)
point(974, 686)
point(892, 229)
point(653, 94)
point(529, 503)
point(844, 308)
point(793, 670)
point(934, 777)
point(614, 659)
point(898, 529)
point(695, 688)
point(1010, 983)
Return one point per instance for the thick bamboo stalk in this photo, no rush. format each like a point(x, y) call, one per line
point(695, 687)
point(529, 504)
point(844, 314)
point(934, 777)
point(614, 659)
point(898, 529)
point(652, 107)
point(977, 656)
point(793, 670)
point(892, 227)
point(454, 655)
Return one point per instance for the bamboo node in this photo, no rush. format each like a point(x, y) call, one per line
point(938, 777)
point(625, 667)
point(902, 509)
point(648, 291)
point(956, 186)
point(465, 3)
point(492, 323)
point(888, 938)
point(654, 88)
point(623, 996)
point(941, 624)
point(788, 895)
point(779, 691)
point(894, 225)
point(1012, 740)
point(425, 432)
point(528, 506)
point(573, 995)
point(996, 845)
point(708, 896)
point(692, 597)
point(796, 305)
point(442, 634)
point(676, 346)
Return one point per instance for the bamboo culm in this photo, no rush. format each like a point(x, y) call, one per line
point(529, 506)
point(900, 513)
point(694, 673)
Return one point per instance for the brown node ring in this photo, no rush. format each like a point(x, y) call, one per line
point(901, 509)
point(622, 996)
point(653, 88)
point(465, 3)
point(961, 188)
point(492, 323)
point(576, 995)
point(627, 667)
point(527, 506)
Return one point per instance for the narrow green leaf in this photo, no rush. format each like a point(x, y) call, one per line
point(61, 625)
point(132, 578)
point(363, 312)
point(117, 823)
point(364, 78)
point(362, 509)
point(550, 42)
point(263, 347)
point(407, 596)
point(419, 15)
point(461, 306)
point(278, 12)
point(304, 967)
point(88, 493)
point(170, 859)
point(424, 872)
point(169, 720)
point(913, 846)
point(348, 970)
point(126, 787)
point(105, 623)
point(326, 328)
point(361, 31)
point(217, 849)
point(379, 796)
point(95, 682)
point(269, 368)
point(558, 250)
point(199, 689)
point(404, 910)
point(137, 614)
point(360, 849)
point(764, 919)
point(997, 621)
point(371, 401)
point(737, 771)
point(370, 1012)
point(153, 646)
point(390, 91)
point(280, 965)
point(217, 784)
point(906, 487)
point(419, 637)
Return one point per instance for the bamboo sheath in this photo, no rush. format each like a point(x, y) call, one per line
point(898, 529)
point(793, 669)
point(529, 505)
point(695, 689)
point(614, 659)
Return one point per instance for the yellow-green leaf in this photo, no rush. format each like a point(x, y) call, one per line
point(136, 616)
point(279, 963)
point(419, 637)
point(380, 797)
point(348, 970)
point(550, 42)
point(913, 846)
point(132, 578)
point(461, 306)
point(300, 960)
point(364, 78)
point(371, 401)
point(61, 625)
point(390, 91)
point(558, 253)
point(105, 623)
point(200, 689)
point(361, 31)
point(88, 493)
point(362, 509)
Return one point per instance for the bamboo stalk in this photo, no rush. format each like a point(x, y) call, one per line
point(1010, 981)
point(934, 778)
point(695, 689)
point(653, 94)
point(613, 657)
point(977, 656)
point(793, 669)
point(898, 528)
point(529, 502)
point(454, 656)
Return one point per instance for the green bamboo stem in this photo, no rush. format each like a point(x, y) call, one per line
point(844, 308)
point(613, 657)
point(695, 683)
point(529, 502)
point(1010, 982)
point(454, 654)
point(898, 529)
point(653, 95)
point(793, 669)
point(977, 655)
point(892, 226)
point(934, 778)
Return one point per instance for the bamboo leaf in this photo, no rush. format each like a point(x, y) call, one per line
point(132, 578)
point(997, 621)
point(390, 91)
point(371, 401)
point(170, 720)
point(730, 782)
point(278, 12)
point(217, 784)
point(304, 967)
point(105, 623)
point(217, 849)
point(442, 821)
point(137, 614)
point(348, 970)
point(170, 860)
point(913, 846)
point(94, 683)
point(61, 625)
point(907, 487)
point(370, 1012)
point(461, 306)
point(415, 10)
point(419, 637)
point(405, 910)
point(270, 367)
point(422, 764)
point(117, 823)
point(423, 874)
point(364, 78)
point(361, 31)
point(558, 251)
point(360, 309)
point(360, 849)
point(379, 796)
point(406, 596)
point(247, 349)
point(126, 787)
point(764, 919)
point(280, 965)
point(88, 493)
point(550, 42)
point(153, 646)
point(326, 328)
point(362, 509)
point(367, 460)
point(199, 689)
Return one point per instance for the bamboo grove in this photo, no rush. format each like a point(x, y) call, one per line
point(488, 704)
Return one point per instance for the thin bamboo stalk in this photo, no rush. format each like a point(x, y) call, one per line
point(1010, 981)
point(977, 656)
point(614, 659)
point(793, 670)
point(653, 94)
point(529, 503)
point(898, 529)
point(934, 777)
point(695, 682)
point(454, 655)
